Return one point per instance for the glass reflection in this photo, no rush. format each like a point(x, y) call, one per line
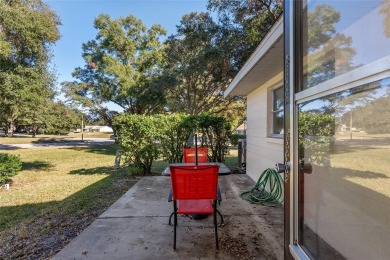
point(277, 111)
point(340, 36)
point(345, 201)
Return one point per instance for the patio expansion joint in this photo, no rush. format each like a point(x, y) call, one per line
point(253, 214)
point(152, 216)
point(167, 216)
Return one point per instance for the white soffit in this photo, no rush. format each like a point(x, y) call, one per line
point(262, 65)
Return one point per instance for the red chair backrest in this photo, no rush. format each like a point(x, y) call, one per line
point(194, 182)
point(189, 155)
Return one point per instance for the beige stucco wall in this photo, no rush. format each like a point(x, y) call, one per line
point(262, 151)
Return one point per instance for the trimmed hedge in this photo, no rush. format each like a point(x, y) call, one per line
point(145, 138)
point(10, 165)
point(316, 137)
point(63, 132)
point(177, 129)
point(235, 137)
point(217, 131)
point(138, 137)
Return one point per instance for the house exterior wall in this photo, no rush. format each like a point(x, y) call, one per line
point(341, 208)
point(262, 151)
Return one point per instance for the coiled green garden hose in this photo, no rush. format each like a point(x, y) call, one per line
point(272, 180)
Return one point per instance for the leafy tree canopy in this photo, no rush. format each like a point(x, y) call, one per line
point(329, 53)
point(51, 117)
point(27, 30)
point(198, 67)
point(123, 66)
point(245, 23)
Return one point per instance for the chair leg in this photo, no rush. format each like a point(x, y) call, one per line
point(170, 218)
point(215, 223)
point(174, 224)
point(219, 213)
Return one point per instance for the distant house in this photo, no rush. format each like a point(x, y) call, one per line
point(343, 128)
point(105, 129)
point(241, 130)
point(99, 129)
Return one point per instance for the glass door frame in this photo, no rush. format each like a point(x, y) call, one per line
point(293, 60)
point(293, 82)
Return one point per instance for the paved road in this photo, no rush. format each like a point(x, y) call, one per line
point(87, 141)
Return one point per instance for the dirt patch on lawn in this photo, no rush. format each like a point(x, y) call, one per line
point(46, 234)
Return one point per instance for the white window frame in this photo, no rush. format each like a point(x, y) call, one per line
point(271, 114)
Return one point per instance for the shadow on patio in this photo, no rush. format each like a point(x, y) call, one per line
point(136, 227)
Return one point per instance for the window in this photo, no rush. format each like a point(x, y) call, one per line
point(277, 112)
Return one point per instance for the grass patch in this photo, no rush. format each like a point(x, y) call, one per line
point(58, 193)
point(365, 163)
point(231, 160)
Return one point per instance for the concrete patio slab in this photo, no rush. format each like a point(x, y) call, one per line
point(136, 227)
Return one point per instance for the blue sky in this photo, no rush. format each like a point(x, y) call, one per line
point(77, 19)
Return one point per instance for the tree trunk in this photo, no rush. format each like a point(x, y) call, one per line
point(10, 128)
point(116, 138)
point(34, 129)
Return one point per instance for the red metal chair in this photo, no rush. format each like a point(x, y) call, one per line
point(189, 155)
point(194, 191)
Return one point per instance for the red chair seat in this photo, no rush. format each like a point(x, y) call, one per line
point(199, 206)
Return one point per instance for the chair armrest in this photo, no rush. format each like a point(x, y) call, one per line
point(170, 194)
point(219, 195)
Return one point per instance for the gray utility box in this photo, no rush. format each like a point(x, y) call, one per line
point(242, 154)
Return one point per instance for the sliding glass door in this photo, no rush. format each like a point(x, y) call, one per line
point(339, 129)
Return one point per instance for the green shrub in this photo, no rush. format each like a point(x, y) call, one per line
point(316, 137)
point(144, 138)
point(179, 130)
point(235, 137)
point(63, 132)
point(216, 132)
point(138, 138)
point(10, 165)
point(176, 130)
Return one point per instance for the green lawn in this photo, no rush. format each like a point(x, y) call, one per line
point(364, 162)
point(59, 192)
point(231, 159)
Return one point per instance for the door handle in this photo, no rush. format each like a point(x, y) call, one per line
point(303, 168)
point(306, 168)
point(281, 167)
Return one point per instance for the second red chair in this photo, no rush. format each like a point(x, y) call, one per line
point(189, 155)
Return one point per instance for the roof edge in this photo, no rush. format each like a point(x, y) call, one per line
point(269, 40)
